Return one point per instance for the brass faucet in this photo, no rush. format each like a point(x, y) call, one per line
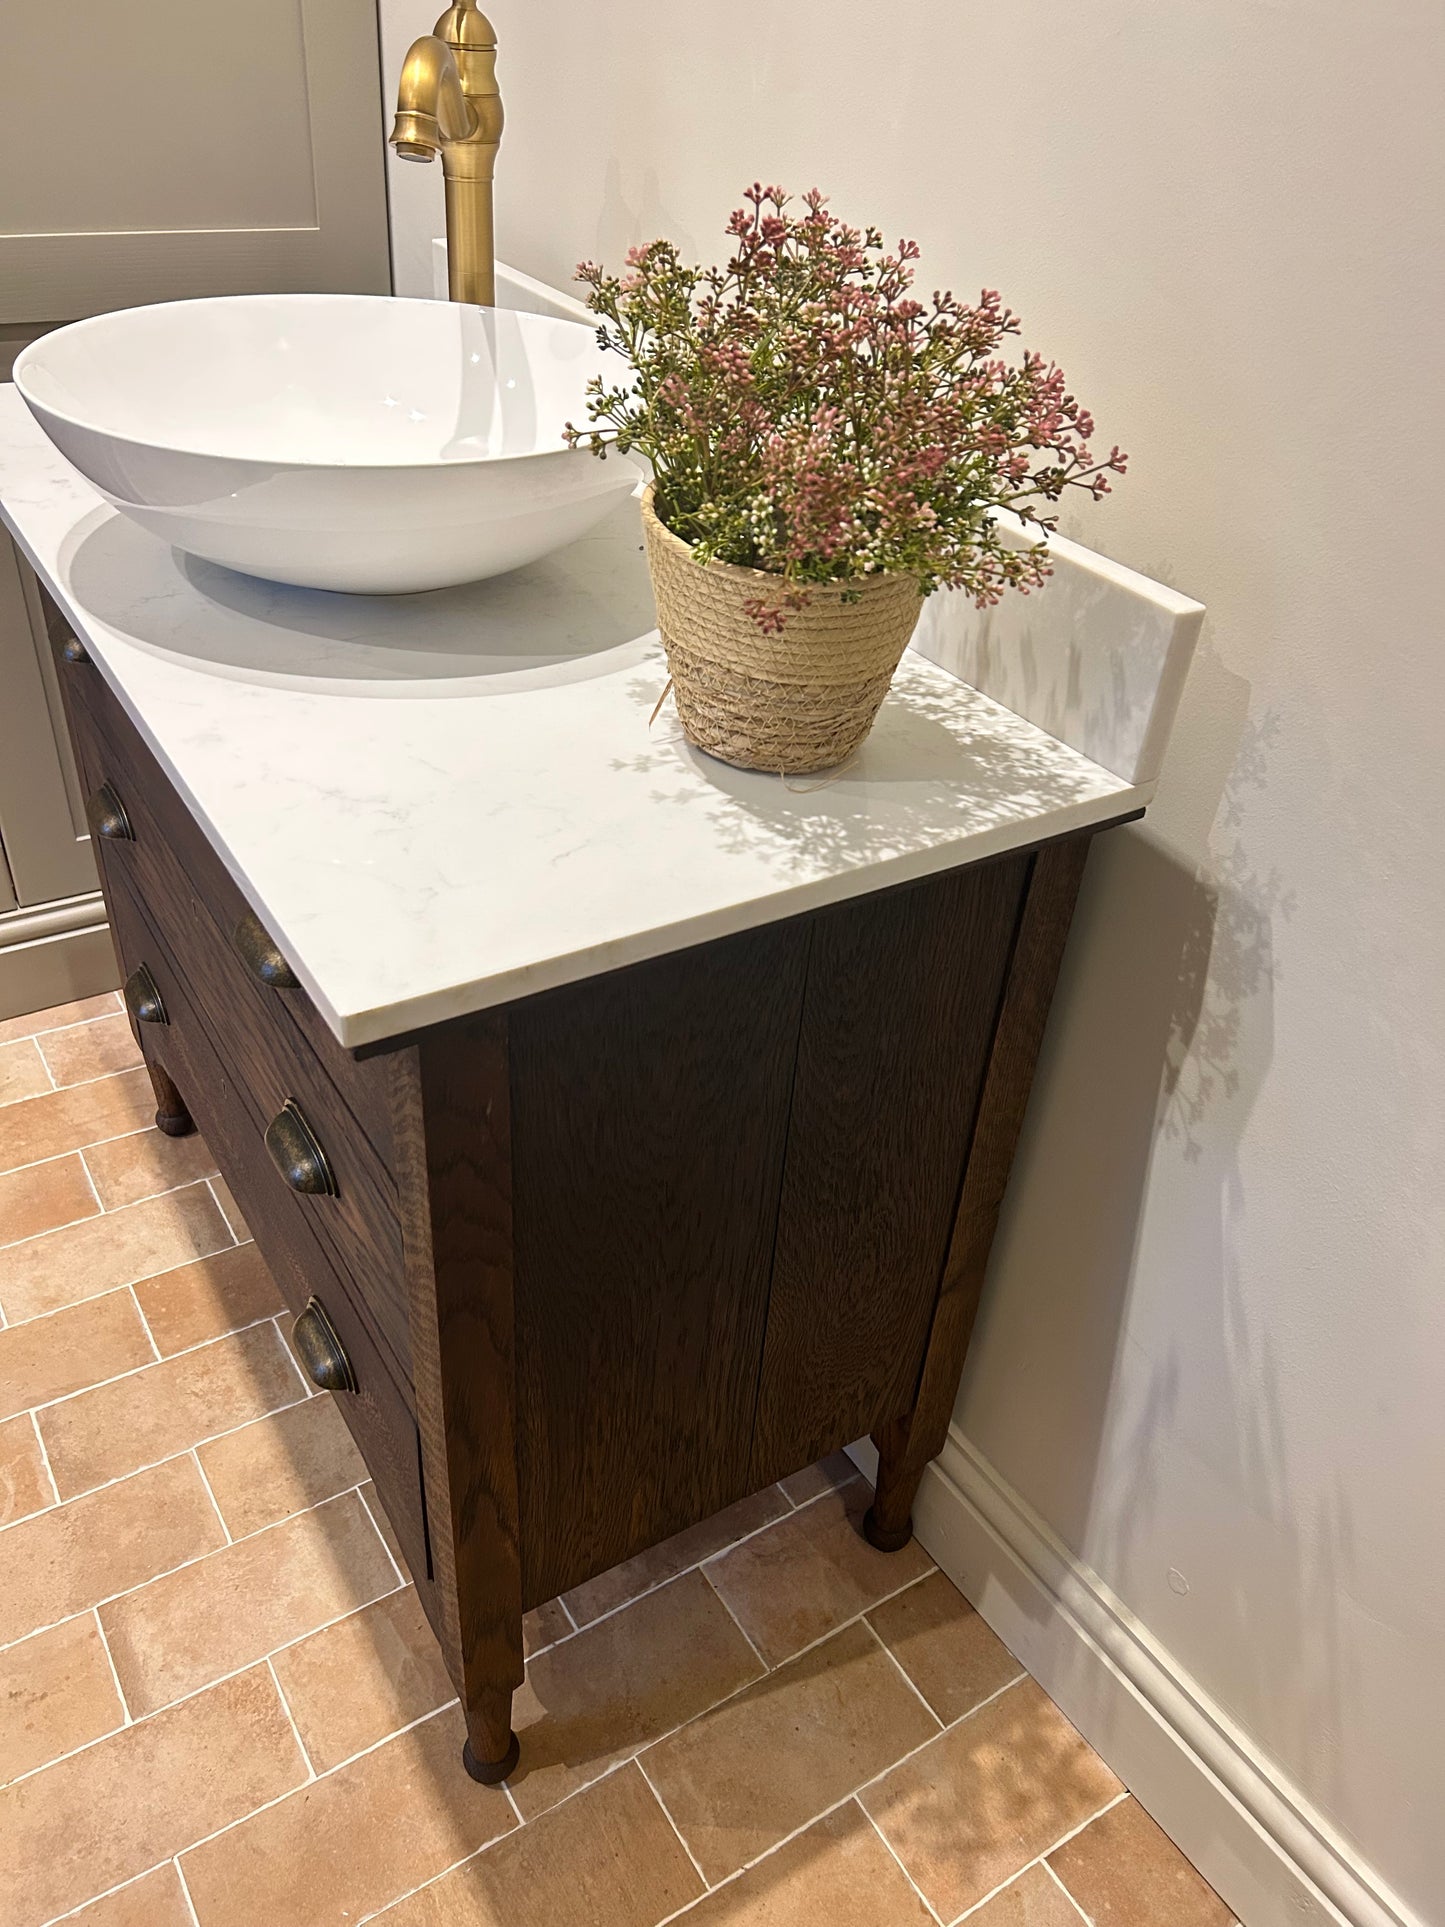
point(448, 104)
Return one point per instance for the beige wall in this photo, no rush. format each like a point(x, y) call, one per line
point(1213, 1351)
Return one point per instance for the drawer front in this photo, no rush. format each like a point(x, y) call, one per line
point(356, 1216)
point(378, 1411)
point(172, 861)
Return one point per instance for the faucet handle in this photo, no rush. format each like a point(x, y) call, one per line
point(466, 29)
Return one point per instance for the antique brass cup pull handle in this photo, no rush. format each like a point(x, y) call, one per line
point(73, 650)
point(253, 945)
point(143, 998)
point(322, 1352)
point(106, 816)
point(297, 1153)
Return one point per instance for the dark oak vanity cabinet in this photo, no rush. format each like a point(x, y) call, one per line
point(584, 1268)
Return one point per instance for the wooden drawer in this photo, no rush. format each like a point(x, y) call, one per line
point(251, 1024)
point(379, 1412)
point(172, 862)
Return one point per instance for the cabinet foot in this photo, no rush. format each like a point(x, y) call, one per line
point(492, 1748)
point(886, 1538)
point(492, 1772)
point(172, 1117)
point(888, 1523)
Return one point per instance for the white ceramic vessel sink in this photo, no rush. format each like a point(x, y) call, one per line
point(354, 442)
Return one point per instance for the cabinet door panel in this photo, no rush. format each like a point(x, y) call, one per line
point(42, 815)
point(206, 152)
point(649, 1112)
point(902, 1001)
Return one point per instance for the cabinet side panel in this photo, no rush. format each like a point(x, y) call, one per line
point(649, 1119)
point(903, 996)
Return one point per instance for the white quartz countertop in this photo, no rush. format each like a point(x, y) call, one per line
point(441, 802)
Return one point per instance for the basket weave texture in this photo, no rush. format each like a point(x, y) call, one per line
point(800, 701)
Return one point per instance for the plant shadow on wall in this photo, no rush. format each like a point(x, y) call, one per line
point(1135, 1331)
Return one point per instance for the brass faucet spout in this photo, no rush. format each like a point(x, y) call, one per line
point(447, 103)
point(430, 105)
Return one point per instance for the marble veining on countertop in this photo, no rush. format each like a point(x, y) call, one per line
point(441, 802)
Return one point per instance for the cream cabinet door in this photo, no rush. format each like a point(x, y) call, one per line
point(153, 149)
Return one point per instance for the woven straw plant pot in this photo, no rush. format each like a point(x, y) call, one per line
point(802, 700)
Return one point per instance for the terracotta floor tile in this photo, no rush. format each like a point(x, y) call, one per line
point(661, 1563)
point(63, 1266)
point(24, 1483)
point(826, 1476)
point(60, 1015)
point(353, 1683)
point(756, 1769)
point(42, 1196)
point(837, 1874)
point(58, 1693)
point(127, 1169)
point(102, 1816)
point(231, 1208)
point(193, 1626)
point(948, 1652)
point(50, 1357)
point(349, 1844)
point(47, 1126)
point(991, 1794)
point(543, 1627)
point(75, 1555)
point(22, 1071)
point(1035, 1899)
point(384, 1527)
point(155, 1900)
point(1126, 1872)
point(86, 1051)
point(607, 1857)
point(281, 1464)
point(208, 1298)
point(622, 1683)
point(166, 1408)
point(806, 1575)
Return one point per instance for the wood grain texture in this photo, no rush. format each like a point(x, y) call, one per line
point(649, 1119)
point(907, 1441)
point(378, 1412)
point(253, 1033)
point(453, 1132)
point(903, 993)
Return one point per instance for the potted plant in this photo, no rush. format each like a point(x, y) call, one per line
point(826, 450)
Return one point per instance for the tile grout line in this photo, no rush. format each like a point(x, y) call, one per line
point(210, 1184)
point(1039, 1859)
point(697, 1566)
point(291, 1720)
point(94, 1190)
point(77, 1084)
point(145, 1325)
point(132, 1880)
point(215, 1503)
point(1049, 1870)
point(107, 1485)
point(893, 1853)
point(185, 1890)
point(223, 1679)
point(49, 1473)
point(69, 1150)
point(899, 1669)
point(707, 1580)
point(163, 1358)
point(127, 1719)
point(667, 1815)
point(402, 1579)
point(788, 1838)
point(272, 1525)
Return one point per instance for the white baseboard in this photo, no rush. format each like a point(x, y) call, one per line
point(1249, 1830)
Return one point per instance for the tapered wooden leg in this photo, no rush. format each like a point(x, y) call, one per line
point(492, 1748)
point(888, 1522)
point(906, 1444)
point(172, 1117)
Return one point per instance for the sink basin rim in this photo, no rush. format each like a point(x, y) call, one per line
point(30, 361)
